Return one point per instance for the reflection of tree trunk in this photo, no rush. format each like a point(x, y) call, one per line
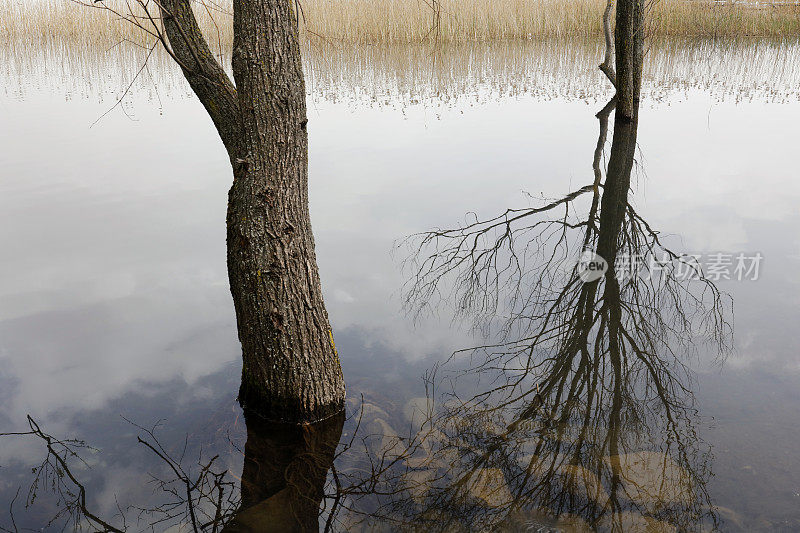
point(291, 370)
point(628, 43)
point(588, 374)
point(615, 192)
point(284, 473)
point(613, 211)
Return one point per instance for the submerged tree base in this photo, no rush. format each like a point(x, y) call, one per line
point(284, 410)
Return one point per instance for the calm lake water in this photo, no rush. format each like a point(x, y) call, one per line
point(113, 286)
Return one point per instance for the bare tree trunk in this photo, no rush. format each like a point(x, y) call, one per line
point(290, 360)
point(291, 370)
point(628, 44)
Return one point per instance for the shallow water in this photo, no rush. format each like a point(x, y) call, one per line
point(114, 289)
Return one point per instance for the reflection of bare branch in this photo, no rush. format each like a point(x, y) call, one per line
point(54, 473)
point(584, 376)
point(207, 499)
point(204, 501)
point(481, 259)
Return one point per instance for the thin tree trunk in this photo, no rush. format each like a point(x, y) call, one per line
point(291, 370)
point(628, 44)
point(606, 66)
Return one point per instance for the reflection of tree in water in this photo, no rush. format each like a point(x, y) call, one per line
point(284, 474)
point(280, 489)
point(579, 416)
point(582, 413)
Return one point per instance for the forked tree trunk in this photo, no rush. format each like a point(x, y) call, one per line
point(291, 370)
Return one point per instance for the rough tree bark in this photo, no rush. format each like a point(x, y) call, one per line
point(628, 44)
point(291, 370)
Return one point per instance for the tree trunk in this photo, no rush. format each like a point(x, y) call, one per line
point(291, 370)
point(628, 44)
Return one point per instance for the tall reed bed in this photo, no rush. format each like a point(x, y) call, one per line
point(43, 22)
point(400, 75)
point(89, 25)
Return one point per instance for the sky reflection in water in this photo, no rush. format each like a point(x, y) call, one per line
point(114, 288)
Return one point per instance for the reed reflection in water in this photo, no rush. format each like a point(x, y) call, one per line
point(404, 75)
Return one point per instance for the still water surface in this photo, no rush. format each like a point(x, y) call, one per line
point(114, 288)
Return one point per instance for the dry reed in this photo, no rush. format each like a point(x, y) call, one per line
point(404, 75)
point(63, 22)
